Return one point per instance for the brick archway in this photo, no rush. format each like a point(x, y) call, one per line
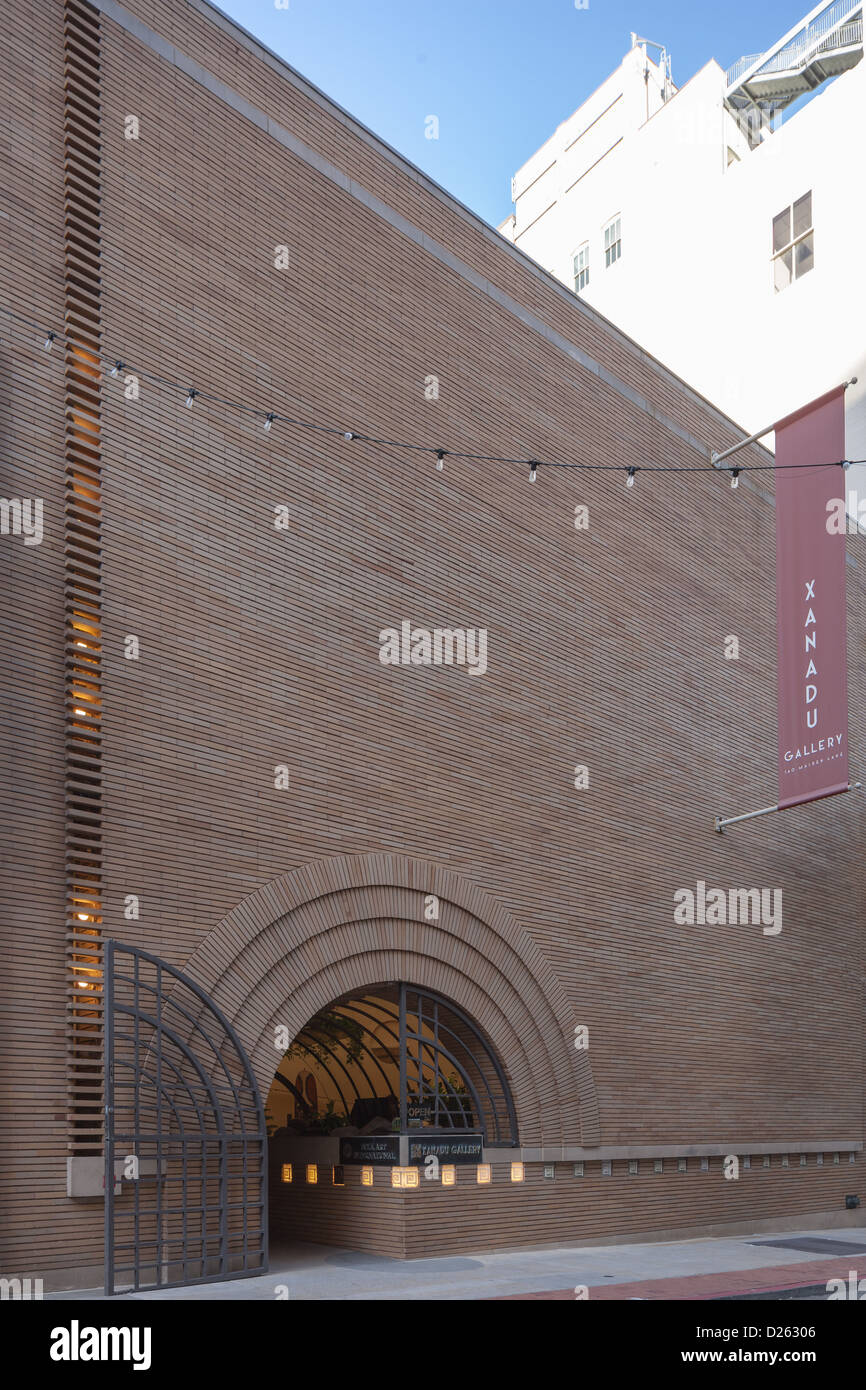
point(336, 925)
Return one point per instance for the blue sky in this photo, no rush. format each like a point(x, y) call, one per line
point(499, 74)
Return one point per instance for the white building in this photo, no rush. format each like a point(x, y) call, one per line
point(725, 239)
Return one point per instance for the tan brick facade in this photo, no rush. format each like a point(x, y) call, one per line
point(259, 647)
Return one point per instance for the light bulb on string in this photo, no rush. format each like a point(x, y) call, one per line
point(735, 477)
point(49, 341)
point(190, 398)
point(117, 368)
point(629, 482)
point(350, 435)
point(440, 460)
point(533, 471)
point(269, 421)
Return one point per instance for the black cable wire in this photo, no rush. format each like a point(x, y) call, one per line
point(117, 364)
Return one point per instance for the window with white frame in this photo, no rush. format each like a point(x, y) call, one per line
point(612, 241)
point(581, 267)
point(793, 243)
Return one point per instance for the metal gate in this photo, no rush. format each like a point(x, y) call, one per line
point(186, 1164)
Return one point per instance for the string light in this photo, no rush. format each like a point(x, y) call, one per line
point(118, 365)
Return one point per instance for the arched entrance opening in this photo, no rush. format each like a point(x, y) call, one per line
point(383, 1085)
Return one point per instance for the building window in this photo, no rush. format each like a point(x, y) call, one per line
point(793, 243)
point(612, 242)
point(581, 268)
point(339, 1176)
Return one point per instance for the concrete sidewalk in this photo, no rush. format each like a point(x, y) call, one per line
point(689, 1269)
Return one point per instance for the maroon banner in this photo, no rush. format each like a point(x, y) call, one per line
point(810, 603)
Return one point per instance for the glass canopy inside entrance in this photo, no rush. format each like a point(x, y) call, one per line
point(393, 1059)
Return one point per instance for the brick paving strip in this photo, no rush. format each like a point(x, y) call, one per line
point(769, 1279)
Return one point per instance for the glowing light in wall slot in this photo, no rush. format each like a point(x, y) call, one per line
point(449, 1175)
point(405, 1177)
point(312, 1174)
point(482, 1173)
point(366, 1177)
point(286, 1173)
point(518, 1172)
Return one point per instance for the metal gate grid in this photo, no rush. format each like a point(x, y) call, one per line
point(185, 1136)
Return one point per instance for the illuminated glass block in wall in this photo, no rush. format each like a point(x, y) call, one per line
point(405, 1177)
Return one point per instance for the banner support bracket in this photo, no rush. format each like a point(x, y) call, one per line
point(717, 459)
point(721, 822)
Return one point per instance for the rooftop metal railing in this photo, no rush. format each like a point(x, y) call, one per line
point(839, 25)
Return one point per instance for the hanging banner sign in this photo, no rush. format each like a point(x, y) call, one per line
point(810, 603)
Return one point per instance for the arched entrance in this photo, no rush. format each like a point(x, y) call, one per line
point(484, 1047)
point(393, 1059)
point(341, 925)
point(406, 1083)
